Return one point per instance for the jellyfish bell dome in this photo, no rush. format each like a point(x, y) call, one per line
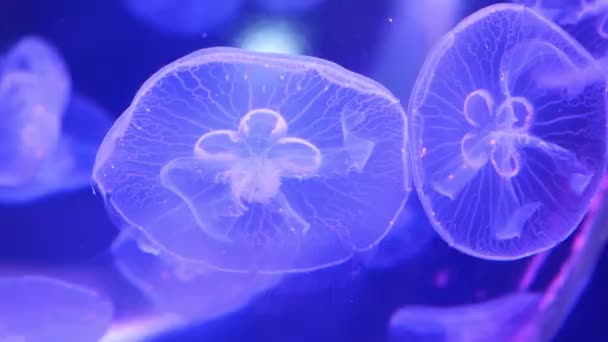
point(506, 156)
point(249, 161)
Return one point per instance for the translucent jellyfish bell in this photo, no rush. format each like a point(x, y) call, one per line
point(251, 161)
point(39, 309)
point(34, 92)
point(506, 158)
point(185, 17)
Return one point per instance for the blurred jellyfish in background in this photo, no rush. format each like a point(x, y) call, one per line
point(49, 137)
point(183, 293)
point(407, 35)
point(526, 314)
point(291, 6)
point(271, 36)
point(410, 237)
point(499, 318)
point(39, 309)
point(184, 17)
point(585, 20)
point(506, 157)
point(34, 89)
point(251, 162)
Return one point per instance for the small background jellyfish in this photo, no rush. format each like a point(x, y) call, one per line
point(185, 17)
point(251, 162)
point(40, 309)
point(49, 135)
point(585, 20)
point(506, 157)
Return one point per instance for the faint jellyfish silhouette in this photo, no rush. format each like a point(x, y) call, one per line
point(410, 237)
point(68, 166)
point(585, 20)
point(248, 161)
point(281, 6)
point(34, 92)
point(185, 17)
point(49, 138)
point(499, 319)
point(40, 309)
point(186, 292)
point(505, 160)
point(523, 315)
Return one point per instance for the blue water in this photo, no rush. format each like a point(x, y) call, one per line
point(110, 54)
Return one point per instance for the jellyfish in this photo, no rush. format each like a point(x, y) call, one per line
point(49, 137)
point(185, 292)
point(293, 6)
point(40, 309)
point(586, 21)
point(186, 17)
point(506, 159)
point(256, 162)
point(524, 314)
point(498, 319)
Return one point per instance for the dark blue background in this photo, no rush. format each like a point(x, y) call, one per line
point(110, 55)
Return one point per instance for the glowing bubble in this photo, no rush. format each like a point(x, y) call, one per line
point(187, 292)
point(505, 160)
point(248, 161)
point(185, 17)
point(38, 309)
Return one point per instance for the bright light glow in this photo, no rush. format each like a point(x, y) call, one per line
point(277, 37)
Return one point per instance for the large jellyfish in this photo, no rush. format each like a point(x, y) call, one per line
point(524, 314)
point(40, 309)
point(249, 161)
point(48, 137)
point(506, 157)
point(185, 17)
point(186, 292)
